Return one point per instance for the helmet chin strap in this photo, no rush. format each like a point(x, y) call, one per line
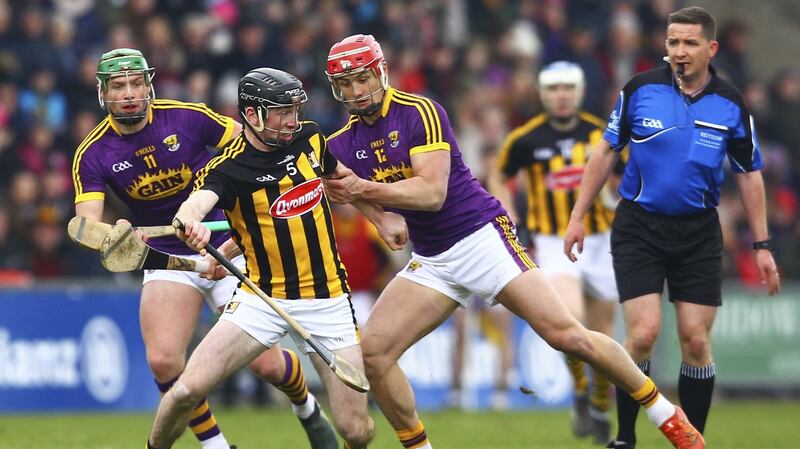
point(130, 119)
point(127, 119)
point(257, 130)
point(369, 110)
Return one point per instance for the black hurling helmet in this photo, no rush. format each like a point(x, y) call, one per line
point(265, 89)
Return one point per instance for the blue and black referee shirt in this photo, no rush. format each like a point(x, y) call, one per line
point(678, 143)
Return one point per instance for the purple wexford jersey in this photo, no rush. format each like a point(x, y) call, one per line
point(153, 170)
point(411, 124)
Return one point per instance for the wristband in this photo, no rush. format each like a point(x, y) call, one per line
point(763, 244)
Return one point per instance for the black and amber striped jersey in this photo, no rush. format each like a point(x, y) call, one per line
point(553, 163)
point(279, 215)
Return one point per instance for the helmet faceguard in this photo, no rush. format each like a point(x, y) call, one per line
point(125, 62)
point(349, 58)
point(272, 91)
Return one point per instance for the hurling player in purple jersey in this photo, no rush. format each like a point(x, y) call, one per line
point(147, 151)
point(400, 153)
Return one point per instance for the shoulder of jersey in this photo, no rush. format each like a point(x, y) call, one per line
point(409, 100)
point(233, 149)
point(165, 105)
point(532, 127)
point(310, 128)
point(351, 121)
point(592, 119)
point(726, 89)
point(91, 139)
point(658, 75)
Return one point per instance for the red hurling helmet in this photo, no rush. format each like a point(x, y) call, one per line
point(353, 55)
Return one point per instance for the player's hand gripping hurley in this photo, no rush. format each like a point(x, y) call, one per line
point(90, 234)
point(346, 372)
point(122, 250)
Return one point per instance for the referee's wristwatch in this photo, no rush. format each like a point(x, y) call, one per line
point(763, 244)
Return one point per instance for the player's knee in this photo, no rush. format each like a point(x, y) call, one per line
point(268, 369)
point(376, 360)
point(573, 340)
point(165, 365)
point(357, 432)
point(641, 342)
point(696, 348)
point(186, 395)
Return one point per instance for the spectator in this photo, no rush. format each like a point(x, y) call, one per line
point(42, 101)
point(732, 61)
point(50, 252)
point(33, 46)
point(12, 248)
point(62, 34)
point(786, 100)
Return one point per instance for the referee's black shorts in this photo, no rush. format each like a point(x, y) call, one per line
point(686, 250)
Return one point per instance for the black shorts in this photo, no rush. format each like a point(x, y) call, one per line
point(684, 250)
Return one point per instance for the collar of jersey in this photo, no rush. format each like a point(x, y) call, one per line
point(114, 124)
point(387, 101)
point(710, 87)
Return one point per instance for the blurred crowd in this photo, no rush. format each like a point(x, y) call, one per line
point(479, 58)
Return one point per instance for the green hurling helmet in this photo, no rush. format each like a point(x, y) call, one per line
point(124, 61)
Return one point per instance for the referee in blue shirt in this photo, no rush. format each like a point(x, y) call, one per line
point(680, 122)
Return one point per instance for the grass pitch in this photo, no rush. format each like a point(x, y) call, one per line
point(732, 425)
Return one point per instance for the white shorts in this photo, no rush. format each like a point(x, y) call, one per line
point(330, 320)
point(593, 268)
point(363, 301)
point(480, 265)
point(215, 293)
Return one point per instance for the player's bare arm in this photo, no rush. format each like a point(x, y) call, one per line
point(391, 227)
point(196, 235)
point(597, 171)
point(426, 190)
point(92, 209)
point(751, 189)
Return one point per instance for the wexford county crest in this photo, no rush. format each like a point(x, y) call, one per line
point(171, 141)
point(394, 139)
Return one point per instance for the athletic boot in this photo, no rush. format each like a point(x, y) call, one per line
point(601, 425)
point(619, 445)
point(681, 433)
point(319, 430)
point(581, 421)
